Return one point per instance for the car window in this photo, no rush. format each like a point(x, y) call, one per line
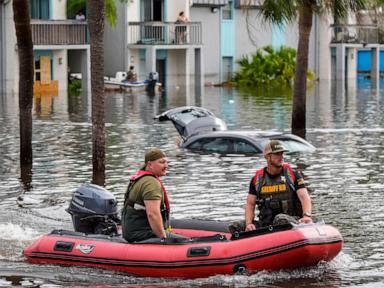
point(292, 145)
point(241, 146)
point(196, 145)
point(217, 145)
point(296, 146)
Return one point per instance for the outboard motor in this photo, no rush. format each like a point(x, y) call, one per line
point(153, 77)
point(94, 210)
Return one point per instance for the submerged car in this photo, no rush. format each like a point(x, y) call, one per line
point(201, 130)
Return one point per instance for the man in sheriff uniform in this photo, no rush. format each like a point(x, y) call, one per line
point(277, 189)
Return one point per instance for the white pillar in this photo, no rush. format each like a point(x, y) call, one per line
point(61, 68)
point(375, 57)
point(86, 70)
point(188, 58)
point(199, 77)
point(323, 54)
point(351, 63)
point(150, 60)
point(340, 61)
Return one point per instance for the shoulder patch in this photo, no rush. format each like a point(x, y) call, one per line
point(300, 181)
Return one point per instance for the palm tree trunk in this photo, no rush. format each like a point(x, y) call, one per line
point(25, 51)
point(96, 16)
point(300, 84)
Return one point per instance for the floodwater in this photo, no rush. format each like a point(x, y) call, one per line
point(344, 175)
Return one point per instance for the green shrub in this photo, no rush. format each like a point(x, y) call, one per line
point(74, 87)
point(267, 67)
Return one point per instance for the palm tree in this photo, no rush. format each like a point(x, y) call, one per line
point(25, 51)
point(287, 11)
point(98, 10)
point(96, 17)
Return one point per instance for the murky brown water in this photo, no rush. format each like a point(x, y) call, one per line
point(344, 175)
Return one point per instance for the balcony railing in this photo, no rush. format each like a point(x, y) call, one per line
point(164, 33)
point(59, 32)
point(359, 34)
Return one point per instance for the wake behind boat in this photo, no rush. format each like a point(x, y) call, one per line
point(209, 249)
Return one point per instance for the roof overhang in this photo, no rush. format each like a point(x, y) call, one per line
point(248, 3)
point(209, 3)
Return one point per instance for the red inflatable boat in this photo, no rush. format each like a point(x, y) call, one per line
point(211, 250)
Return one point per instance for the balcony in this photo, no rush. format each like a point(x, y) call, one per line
point(164, 33)
point(59, 32)
point(357, 34)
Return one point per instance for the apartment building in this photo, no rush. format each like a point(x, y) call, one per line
point(148, 38)
point(60, 46)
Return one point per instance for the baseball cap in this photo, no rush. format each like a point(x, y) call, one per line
point(153, 154)
point(274, 146)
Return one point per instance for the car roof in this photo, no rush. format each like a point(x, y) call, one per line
point(254, 134)
point(258, 138)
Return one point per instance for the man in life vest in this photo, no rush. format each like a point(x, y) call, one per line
point(146, 208)
point(278, 191)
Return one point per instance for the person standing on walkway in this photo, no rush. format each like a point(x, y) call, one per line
point(181, 30)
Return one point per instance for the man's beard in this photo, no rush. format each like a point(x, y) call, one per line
point(277, 165)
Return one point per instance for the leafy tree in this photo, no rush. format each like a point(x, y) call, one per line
point(74, 6)
point(288, 11)
point(22, 21)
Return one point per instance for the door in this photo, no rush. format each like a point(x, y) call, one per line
point(45, 70)
point(152, 11)
point(160, 68)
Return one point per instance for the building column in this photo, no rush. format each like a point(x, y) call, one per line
point(199, 69)
point(340, 70)
point(199, 77)
point(352, 63)
point(375, 60)
point(340, 62)
point(86, 70)
point(322, 51)
point(61, 69)
point(150, 60)
point(187, 74)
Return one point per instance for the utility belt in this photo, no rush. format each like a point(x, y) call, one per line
point(274, 204)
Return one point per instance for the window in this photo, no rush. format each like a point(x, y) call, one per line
point(291, 145)
point(196, 145)
point(37, 69)
point(39, 9)
point(216, 145)
point(227, 11)
point(243, 147)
